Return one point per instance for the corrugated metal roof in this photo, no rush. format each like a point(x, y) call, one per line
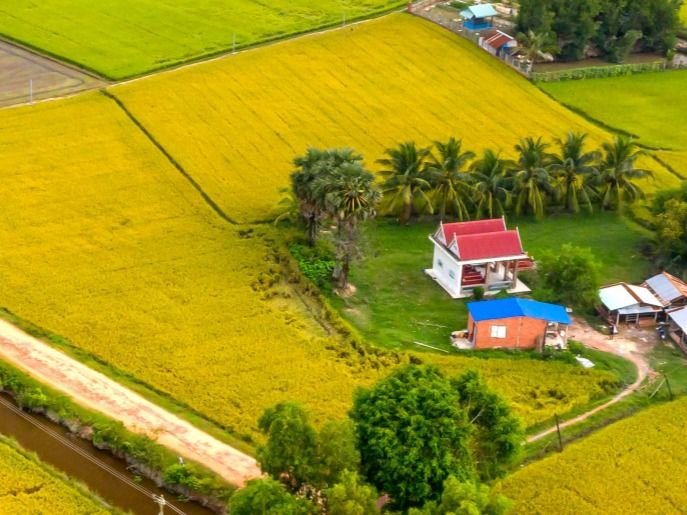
point(514, 307)
point(667, 287)
point(679, 316)
point(625, 295)
point(478, 11)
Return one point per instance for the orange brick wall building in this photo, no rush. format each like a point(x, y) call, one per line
point(518, 332)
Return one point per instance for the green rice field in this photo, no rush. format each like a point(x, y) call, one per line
point(122, 38)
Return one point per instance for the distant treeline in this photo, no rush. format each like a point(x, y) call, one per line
point(612, 28)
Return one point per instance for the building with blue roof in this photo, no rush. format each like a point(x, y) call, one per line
point(478, 17)
point(516, 323)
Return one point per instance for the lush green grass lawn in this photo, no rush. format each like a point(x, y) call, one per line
point(396, 304)
point(120, 38)
point(651, 106)
point(683, 14)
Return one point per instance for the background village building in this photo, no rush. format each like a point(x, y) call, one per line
point(516, 324)
point(629, 304)
point(481, 253)
point(671, 291)
point(496, 42)
point(677, 327)
point(478, 17)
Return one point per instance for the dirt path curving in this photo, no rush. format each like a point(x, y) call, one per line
point(632, 344)
point(98, 392)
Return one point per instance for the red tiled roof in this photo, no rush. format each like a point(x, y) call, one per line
point(499, 40)
point(489, 245)
point(475, 227)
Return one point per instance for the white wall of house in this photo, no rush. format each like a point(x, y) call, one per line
point(446, 270)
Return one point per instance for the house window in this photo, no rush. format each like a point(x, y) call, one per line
point(440, 263)
point(498, 331)
point(451, 274)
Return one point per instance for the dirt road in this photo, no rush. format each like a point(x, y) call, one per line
point(96, 391)
point(631, 344)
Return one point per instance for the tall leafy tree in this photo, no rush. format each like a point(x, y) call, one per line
point(462, 497)
point(491, 184)
point(447, 174)
point(268, 497)
point(351, 496)
point(618, 173)
point(312, 169)
point(574, 23)
point(290, 453)
point(350, 198)
point(497, 435)
point(531, 178)
point(575, 170)
point(406, 181)
point(412, 435)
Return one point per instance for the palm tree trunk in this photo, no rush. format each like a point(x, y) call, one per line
point(312, 230)
point(342, 280)
point(406, 213)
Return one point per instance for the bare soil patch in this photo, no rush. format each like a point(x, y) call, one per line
point(22, 70)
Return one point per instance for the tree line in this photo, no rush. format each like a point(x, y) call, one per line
point(332, 188)
point(612, 28)
point(417, 442)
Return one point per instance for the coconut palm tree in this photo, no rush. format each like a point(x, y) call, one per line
point(351, 198)
point(452, 190)
point(531, 177)
point(618, 171)
point(311, 168)
point(575, 171)
point(533, 45)
point(406, 179)
point(491, 184)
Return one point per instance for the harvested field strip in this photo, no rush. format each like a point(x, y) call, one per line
point(29, 486)
point(632, 466)
point(235, 124)
point(121, 38)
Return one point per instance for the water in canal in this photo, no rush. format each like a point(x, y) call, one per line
point(39, 437)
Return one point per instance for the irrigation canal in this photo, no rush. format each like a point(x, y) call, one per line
point(99, 470)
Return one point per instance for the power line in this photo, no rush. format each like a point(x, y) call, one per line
point(87, 456)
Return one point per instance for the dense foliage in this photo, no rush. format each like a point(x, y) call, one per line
point(416, 429)
point(612, 27)
point(569, 276)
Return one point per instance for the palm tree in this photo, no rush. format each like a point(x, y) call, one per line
point(618, 172)
point(351, 198)
point(533, 43)
point(491, 184)
point(311, 167)
point(406, 179)
point(531, 178)
point(575, 170)
point(452, 190)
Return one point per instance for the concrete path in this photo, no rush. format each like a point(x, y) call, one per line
point(96, 391)
point(630, 344)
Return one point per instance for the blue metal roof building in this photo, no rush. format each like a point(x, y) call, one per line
point(476, 16)
point(515, 307)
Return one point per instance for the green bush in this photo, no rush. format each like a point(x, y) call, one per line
point(316, 263)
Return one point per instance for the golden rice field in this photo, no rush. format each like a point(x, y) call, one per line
point(235, 124)
point(106, 244)
point(28, 486)
point(636, 465)
point(676, 160)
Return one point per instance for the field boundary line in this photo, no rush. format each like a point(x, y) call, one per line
point(208, 200)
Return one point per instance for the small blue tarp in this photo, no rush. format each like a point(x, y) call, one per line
point(514, 307)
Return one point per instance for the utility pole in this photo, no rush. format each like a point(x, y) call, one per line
point(161, 502)
point(670, 390)
point(31, 91)
point(233, 44)
point(343, 24)
point(558, 430)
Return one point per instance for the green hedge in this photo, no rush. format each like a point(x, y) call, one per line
point(595, 72)
point(194, 481)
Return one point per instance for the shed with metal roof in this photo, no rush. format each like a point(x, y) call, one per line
point(516, 323)
point(628, 303)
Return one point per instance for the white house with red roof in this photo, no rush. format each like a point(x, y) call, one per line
point(482, 253)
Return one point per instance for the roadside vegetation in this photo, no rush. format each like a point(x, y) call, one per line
point(94, 34)
point(28, 485)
